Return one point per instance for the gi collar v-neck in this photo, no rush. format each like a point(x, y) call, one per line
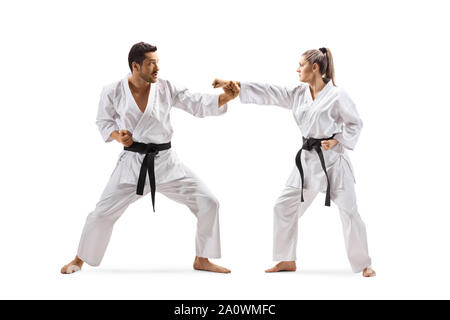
point(321, 93)
point(130, 95)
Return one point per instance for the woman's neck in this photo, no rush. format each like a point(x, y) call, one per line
point(316, 86)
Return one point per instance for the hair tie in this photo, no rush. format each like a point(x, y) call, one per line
point(323, 50)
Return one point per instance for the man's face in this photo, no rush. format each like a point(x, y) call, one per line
point(148, 71)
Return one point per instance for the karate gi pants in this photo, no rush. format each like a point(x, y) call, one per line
point(116, 197)
point(288, 209)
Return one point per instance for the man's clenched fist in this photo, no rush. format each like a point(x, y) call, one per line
point(123, 136)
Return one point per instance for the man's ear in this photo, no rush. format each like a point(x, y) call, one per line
point(135, 66)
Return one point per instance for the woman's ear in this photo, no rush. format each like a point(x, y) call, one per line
point(315, 67)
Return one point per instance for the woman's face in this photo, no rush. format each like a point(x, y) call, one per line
point(305, 70)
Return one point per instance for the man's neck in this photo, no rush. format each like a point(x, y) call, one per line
point(137, 84)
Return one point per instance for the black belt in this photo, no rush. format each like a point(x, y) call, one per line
point(309, 144)
point(148, 164)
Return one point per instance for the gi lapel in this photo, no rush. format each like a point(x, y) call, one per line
point(147, 115)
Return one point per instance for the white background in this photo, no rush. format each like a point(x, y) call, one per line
point(390, 56)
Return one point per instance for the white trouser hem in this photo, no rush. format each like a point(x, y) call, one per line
point(209, 256)
point(91, 263)
point(284, 259)
point(361, 269)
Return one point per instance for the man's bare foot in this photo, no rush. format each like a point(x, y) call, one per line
point(204, 264)
point(284, 266)
point(74, 266)
point(369, 272)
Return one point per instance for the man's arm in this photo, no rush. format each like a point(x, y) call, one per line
point(106, 115)
point(199, 104)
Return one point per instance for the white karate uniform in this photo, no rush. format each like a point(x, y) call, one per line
point(119, 111)
point(331, 112)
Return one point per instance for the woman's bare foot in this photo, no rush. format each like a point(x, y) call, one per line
point(74, 266)
point(204, 264)
point(369, 272)
point(284, 266)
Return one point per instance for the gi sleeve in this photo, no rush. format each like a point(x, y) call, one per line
point(198, 104)
point(106, 116)
point(262, 93)
point(352, 123)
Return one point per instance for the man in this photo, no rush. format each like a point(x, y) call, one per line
point(136, 112)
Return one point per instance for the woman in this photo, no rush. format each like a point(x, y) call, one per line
point(329, 122)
